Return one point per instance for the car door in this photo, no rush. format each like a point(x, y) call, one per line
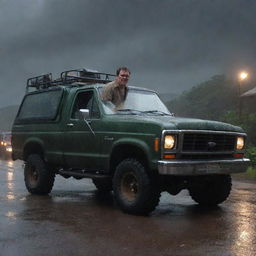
point(82, 139)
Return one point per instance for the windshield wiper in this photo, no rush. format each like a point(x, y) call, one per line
point(129, 111)
point(157, 112)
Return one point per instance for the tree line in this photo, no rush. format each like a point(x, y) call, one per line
point(218, 99)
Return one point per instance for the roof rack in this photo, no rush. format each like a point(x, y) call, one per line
point(85, 76)
point(39, 82)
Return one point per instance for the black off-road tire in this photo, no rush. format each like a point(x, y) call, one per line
point(135, 191)
point(38, 178)
point(103, 185)
point(212, 190)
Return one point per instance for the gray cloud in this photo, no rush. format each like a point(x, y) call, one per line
point(169, 45)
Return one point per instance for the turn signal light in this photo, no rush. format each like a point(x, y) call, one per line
point(170, 156)
point(156, 146)
point(238, 155)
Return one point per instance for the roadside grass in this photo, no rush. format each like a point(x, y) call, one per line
point(251, 172)
point(249, 175)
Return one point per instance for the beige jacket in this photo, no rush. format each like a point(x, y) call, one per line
point(114, 93)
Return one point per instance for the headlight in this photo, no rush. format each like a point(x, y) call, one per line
point(169, 142)
point(239, 143)
point(9, 149)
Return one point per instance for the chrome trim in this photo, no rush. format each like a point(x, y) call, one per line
point(201, 167)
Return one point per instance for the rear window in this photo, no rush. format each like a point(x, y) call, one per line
point(43, 105)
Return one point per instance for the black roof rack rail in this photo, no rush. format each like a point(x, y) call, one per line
point(39, 82)
point(86, 76)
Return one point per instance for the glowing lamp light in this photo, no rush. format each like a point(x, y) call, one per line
point(240, 143)
point(243, 75)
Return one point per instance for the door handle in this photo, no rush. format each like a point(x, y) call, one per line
point(70, 125)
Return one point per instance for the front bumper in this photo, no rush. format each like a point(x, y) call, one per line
point(185, 168)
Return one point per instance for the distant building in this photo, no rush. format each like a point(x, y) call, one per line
point(248, 101)
point(250, 93)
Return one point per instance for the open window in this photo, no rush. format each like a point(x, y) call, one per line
point(85, 100)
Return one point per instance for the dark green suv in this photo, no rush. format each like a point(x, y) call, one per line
point(63, 127)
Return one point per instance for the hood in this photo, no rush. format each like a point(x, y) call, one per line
point(199, 124)
point(176, 123)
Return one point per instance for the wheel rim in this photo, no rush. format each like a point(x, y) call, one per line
point(32, 175)
point(129, 186)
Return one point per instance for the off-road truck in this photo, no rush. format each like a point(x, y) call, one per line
point(63, 127)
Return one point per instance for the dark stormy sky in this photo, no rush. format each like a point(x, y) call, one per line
point(169, 45)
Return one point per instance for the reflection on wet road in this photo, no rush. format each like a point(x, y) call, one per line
point(75, 220)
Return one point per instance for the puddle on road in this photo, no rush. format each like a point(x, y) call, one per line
point(11, 215)
point(10, 196)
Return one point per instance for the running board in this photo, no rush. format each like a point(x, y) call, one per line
point(84, 174)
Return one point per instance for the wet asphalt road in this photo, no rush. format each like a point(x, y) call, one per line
point(75, 220)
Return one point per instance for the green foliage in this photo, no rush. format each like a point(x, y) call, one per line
point(251, 154)
point(247, 122)
point(217, 99)
point(207, 100)
point(251, 173)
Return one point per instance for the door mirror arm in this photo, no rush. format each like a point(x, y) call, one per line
point(84, 115)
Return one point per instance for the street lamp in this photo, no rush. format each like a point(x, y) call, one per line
point(241, 77)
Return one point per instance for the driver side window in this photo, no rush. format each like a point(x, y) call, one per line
point(85, 100)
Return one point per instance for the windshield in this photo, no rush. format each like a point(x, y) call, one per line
point(138, 101)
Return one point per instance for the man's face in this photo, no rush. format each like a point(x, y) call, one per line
point(123, 77)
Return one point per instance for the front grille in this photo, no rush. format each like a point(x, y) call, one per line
point(208, 142)
point(205, 157)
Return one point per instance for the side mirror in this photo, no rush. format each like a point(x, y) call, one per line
point(84, 113)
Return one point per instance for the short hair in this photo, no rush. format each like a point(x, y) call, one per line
point(122, 68)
